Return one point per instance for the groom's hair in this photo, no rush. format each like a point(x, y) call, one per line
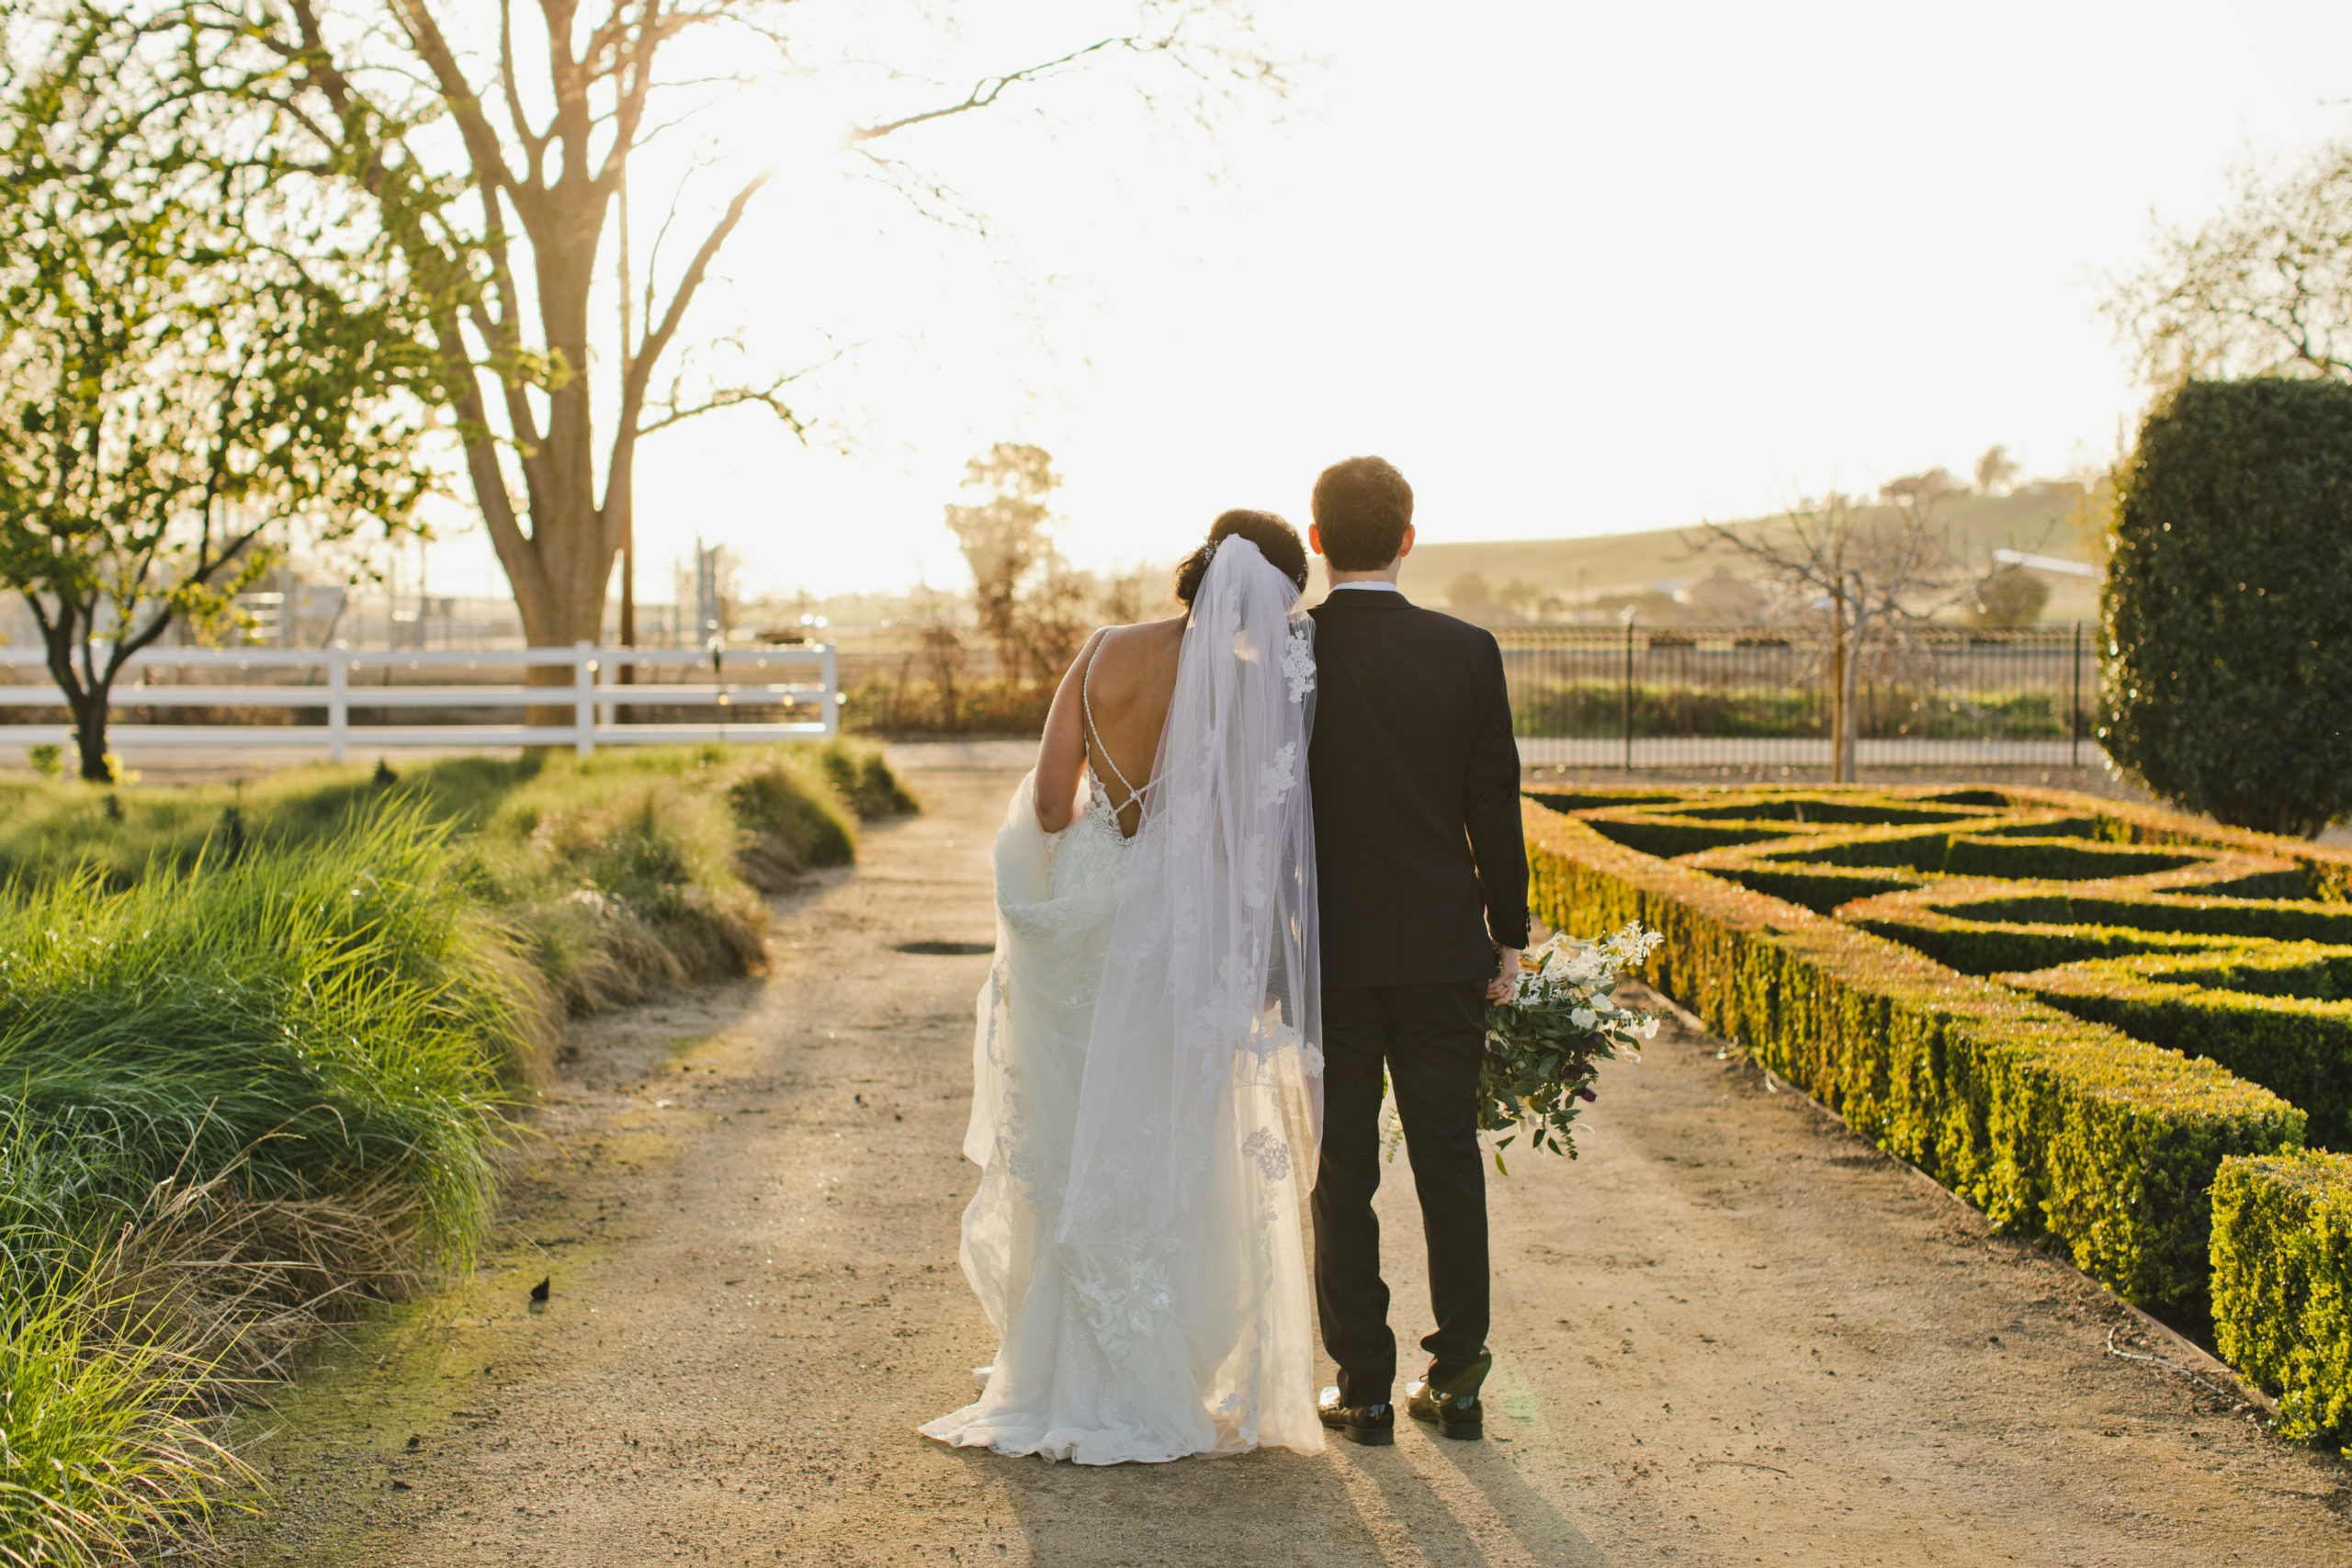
point(1362, 506)
point(1276, 539)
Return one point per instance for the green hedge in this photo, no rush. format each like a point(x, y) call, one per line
point(2325, 872)
point(2055, 859)
point(2045, 1121)
point(1820, 888)
point(2300, 1047)
point(1669, 837)
point(2278, 919)
point(1995, 947)
point(2283, 1284)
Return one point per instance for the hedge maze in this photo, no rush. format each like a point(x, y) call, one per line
point(2120, 1028)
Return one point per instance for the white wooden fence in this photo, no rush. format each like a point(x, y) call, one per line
point(595, 696)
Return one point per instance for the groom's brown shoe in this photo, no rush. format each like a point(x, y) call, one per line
point(1371, 1425)
point(1449, 1397)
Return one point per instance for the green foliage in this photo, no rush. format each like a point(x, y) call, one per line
point(310, 1041)
point(989, 706)
point(1592, 709)
point(1819, 888)
point(317, 1020)
point(2228, 610)
point(2283, 1284)
point(2048, 1124)
point(101, 1453)
point(1544, 1046)
point(48, 761)
point(2012, 597)
point(863, 779)
point(191, 359)
point(632, 869)
point(2300, 1046)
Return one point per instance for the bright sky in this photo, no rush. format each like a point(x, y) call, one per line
point(1576, 268)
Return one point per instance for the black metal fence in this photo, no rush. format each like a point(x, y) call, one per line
point(1680, 696)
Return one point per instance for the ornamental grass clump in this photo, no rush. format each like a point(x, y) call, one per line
point(314, 1021)
point(1545, 1045)
point(103, 1451)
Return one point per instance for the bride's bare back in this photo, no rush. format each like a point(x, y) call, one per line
point(1133, 677)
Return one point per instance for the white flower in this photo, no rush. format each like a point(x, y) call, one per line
point(1583, 1018)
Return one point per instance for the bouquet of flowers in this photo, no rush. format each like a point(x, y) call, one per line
point(1545, 1043)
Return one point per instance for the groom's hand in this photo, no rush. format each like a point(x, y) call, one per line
point(1506, 980)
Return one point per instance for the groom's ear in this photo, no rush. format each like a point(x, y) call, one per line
point(1315, 537)
point(1406, 548)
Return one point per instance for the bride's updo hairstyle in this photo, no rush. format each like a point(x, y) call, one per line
point(1276, 539)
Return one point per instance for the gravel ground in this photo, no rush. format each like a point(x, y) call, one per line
point(1730, 1332)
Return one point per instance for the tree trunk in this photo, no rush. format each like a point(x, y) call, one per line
point(90, 733)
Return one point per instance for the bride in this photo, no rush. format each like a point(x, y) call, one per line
point(1147, 1068)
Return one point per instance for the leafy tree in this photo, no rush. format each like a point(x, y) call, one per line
point(1469, 594)
point(191, 362)
point(2012, 597)
point(1029, 601)
point(1924, 490)
point(2228, 607)
point(497, 144)
point(1996, 471)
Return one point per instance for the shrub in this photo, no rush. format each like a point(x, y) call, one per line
point(2300, 1046)
point(101, 1452)
point(315, 1022)
point(2047, 1123)
point(2283, 1284)
point(2228, 609)
point(863, 779)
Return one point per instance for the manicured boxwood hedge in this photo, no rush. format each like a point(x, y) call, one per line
point(2046, 1121)
point(2299, 1046)
point(2283, 1284)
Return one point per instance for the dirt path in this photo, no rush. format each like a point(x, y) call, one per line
point(1730, 1333)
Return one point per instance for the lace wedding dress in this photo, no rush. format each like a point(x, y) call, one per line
point(1147, 1077)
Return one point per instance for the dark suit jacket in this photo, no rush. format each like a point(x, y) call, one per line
point(1418, 856)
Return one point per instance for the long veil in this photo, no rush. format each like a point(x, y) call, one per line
point(1148, 1277)
point(1210, 989)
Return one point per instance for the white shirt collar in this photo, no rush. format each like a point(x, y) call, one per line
point(1376, 585)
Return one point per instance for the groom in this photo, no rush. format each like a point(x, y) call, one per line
point(1423, 876)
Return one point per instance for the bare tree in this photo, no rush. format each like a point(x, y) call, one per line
point(2262, 288)
point(1879, 573)
point(496, 146)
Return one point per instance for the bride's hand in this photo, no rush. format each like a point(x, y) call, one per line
point(1505, 981)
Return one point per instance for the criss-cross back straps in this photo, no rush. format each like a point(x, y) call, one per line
point(1086, 701)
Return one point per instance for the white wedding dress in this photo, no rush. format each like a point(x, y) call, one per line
point(1146, 1077)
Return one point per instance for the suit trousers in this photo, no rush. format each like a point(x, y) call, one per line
point(1429, 1040)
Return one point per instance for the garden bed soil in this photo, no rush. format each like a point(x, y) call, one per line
point(1731, 1333)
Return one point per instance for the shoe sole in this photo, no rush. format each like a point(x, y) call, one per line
point(1459, 1432)
point(1370, 1437)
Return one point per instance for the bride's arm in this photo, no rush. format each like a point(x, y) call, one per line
point(1061, 755)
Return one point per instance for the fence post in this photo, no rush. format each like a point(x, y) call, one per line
point(2075, 726)
point(338, 702)
point(1628, 691)
point(584, 698)
point(831, 674)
